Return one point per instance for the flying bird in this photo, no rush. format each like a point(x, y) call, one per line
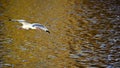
point(27, 26)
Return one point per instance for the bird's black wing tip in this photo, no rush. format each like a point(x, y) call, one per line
point(48, 31)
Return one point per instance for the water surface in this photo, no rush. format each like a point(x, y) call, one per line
point(84, 34)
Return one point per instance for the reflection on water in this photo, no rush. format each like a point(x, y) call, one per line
point(84, 34)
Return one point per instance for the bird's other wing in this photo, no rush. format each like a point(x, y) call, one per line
point(19, 20)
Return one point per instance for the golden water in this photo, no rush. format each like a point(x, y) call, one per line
point(84, 34)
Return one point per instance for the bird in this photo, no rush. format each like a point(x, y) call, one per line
point(26, 25)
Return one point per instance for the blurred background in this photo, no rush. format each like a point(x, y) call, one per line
point(84, 34)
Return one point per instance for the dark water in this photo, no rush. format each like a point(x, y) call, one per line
point(99, 31)
point(85, 34)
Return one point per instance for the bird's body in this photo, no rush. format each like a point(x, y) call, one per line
point(27, 26)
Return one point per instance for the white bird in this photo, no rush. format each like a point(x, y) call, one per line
point(27, 26)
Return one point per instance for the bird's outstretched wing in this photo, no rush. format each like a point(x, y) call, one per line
point(39, 26)
point(17, 20)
